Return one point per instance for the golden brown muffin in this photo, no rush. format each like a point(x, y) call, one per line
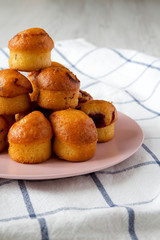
point(4, 127)
point(83, 97)
point(104, 115)
point(32, 77)
point(14, 92)
point(58, 88)
point(30, 50)
point(75, 135)
point(30, 139)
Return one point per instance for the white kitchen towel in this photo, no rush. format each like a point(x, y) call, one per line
point(121, 202)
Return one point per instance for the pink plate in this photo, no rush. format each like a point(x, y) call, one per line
point(128, 138)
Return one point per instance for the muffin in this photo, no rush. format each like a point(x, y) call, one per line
point(4, 127)
point(30, 139)
point(58, 88)
point(83, 97)
point(30, 50)
point(14, 92)
point(32, 77)
point(104, 115)
point(75, 135)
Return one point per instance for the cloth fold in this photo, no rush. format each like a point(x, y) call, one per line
point(121, 202)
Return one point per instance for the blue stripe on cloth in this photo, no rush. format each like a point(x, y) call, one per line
point(13, 218)
point(111, 204)
point(151, 153)
point(136, 62)
point(87, 75)
point(115, 69)
point(44, 229)
point(69, 209)
point(102, 190)
point(4, 52)
point(143, 202)
point(85, 55)
point(127, 169)
point(142, 105)
point(147, 118)
point(72, 65)
point(26, 199)
point(130, 84)
point(131, 223)
point(7, 182)
point(91, 84)
point(30, 209)
point(52, 212)
point(144, 100)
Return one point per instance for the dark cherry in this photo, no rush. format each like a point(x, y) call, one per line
point(82, 100)
point(99, 119)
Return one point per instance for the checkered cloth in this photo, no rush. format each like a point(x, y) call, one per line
point(121, 202)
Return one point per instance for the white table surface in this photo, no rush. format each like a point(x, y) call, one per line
point(132, 24)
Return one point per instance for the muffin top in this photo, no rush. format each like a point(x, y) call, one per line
point(31, 39)
point(33, 128)
point(13, 83)
point(56, 64)
point(102, 112)
point(57, 79)
point(73, 126)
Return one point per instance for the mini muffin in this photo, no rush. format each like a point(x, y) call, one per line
point(75, 135)
point(30, 50)
point(83, 97)
point(104, 115)
point(14, 92)
point(4, 127)
point(32, 77)
point(30, 139)
point(58, 88)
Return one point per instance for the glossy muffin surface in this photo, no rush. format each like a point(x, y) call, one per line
point(58, 88)
point(31, 40)
point(57, 79)
point(13, 83)
point(32, 128)
point(75, 135)
point(102, 112)
point(73, 126)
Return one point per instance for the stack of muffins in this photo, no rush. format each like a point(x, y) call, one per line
point(47, 112)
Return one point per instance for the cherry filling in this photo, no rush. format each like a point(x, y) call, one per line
point(82, 100)
point(99, 119)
